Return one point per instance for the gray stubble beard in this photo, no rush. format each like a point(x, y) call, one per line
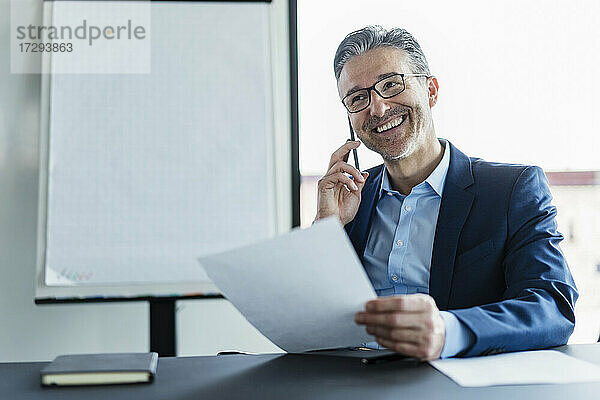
point(412, 145)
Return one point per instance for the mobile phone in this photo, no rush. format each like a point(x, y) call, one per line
point(354, 153)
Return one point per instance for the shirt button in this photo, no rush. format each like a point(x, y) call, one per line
point(399, 243)
point(394, 277)
point(390, 194)
point(408, 208)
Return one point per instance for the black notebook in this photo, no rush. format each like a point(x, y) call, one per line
point(100, 369)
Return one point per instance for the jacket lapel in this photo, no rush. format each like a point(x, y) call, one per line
point(454, 209)
point(361, 226)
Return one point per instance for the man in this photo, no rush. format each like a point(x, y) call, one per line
point(463, 252)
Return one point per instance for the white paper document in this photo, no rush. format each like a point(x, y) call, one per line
point(301, 289)
point(522, 368)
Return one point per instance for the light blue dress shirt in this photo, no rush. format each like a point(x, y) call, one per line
point(397, 256)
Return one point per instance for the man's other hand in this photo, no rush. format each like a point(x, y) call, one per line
point(407, 324)
point(338, 194)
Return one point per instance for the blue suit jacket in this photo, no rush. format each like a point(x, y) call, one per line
point(496, 262)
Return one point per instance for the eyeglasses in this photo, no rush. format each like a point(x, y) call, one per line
point(388, 87)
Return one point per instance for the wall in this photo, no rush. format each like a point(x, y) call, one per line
point(29, 332)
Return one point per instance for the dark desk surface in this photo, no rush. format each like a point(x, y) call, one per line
point(292, 377)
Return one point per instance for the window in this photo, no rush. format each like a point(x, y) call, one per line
point(517, 84)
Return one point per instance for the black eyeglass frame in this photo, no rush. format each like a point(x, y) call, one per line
point(372, 88)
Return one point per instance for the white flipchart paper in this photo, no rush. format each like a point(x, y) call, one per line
point(527, 367)
point(301, 289)
point(148, 172)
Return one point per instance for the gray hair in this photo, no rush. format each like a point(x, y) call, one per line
point(372, 37)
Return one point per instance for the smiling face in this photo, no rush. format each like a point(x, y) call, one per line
point(395, 127)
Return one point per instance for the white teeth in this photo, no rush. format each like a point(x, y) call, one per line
point(390, 125)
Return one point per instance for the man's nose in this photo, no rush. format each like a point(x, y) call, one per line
point(378, 105)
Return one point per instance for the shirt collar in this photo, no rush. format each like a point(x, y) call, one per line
point(436, 180)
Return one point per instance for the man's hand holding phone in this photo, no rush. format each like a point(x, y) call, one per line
point(339, 194)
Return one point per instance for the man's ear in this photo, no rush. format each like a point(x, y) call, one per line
point(432, 90)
